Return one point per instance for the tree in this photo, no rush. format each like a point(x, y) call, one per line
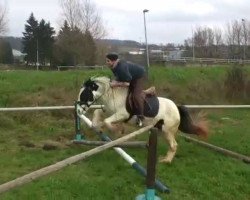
point(69, 46)
point(233, 44)
point(234, 39)
point(74, 47)
point(219, 44)
point(6, 55)
point(45, 42)
point(188, 44)
point(62, 53)
point(84, 15)
point(30, 40)
point(3, 19)
point(206, 42)
point(38, 41)
point(90, 54)
point(238, 35)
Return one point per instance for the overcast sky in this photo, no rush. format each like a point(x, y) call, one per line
point(168, 21)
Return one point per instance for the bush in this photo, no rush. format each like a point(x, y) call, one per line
point(235, 83)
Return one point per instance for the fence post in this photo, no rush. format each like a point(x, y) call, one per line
point(78, 136)
point(151, 164)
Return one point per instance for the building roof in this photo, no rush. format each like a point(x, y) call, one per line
point(17, 53)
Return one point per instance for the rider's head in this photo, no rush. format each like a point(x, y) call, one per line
point(111, 58)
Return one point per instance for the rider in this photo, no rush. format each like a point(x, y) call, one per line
point(129, 75)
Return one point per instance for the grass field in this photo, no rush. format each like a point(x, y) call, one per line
point(196, 172)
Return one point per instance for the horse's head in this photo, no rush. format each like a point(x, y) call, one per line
point(92, 89)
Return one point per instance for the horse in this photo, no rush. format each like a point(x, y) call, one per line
point(170, 116)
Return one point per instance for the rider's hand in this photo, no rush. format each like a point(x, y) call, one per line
point(113, 84)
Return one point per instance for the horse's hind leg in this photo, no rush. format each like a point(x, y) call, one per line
point(169, 135)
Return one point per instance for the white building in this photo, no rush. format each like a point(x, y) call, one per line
point(18, 55)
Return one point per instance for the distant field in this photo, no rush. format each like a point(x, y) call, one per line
point(196, 172)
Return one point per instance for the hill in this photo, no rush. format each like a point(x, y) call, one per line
point(128, 43)
point(15, 42)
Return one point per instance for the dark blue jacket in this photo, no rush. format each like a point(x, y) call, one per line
point(127, 71)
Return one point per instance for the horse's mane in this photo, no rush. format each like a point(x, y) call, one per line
point(106, 81)
point(101, 79)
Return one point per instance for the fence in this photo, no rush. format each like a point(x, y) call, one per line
point(101, 106)
point(207, 61)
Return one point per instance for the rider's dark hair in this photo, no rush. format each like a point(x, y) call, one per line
point(112, 56)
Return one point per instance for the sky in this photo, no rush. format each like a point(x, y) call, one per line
point(168, 21)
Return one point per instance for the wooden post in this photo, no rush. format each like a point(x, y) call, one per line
point(151, 165)
point(151, 161)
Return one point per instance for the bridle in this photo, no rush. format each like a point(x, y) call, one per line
point(89, 89)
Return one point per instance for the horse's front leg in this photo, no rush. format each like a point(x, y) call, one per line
point(114, 122)
point(97, 118)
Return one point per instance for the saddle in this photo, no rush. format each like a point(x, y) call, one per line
point(151, 103)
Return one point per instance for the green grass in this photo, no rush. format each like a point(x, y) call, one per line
point(196, 172)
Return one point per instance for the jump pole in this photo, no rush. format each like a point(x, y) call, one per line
point(223, 151)
point(159, 185)
point(132, 144)
point(61, 164)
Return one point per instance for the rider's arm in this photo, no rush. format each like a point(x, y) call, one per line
point(119, 84)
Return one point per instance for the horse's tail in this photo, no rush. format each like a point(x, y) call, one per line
point(199, 126)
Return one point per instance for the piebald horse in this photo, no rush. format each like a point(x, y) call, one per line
point(171, 116)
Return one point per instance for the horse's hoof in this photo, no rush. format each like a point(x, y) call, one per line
point(165, 160)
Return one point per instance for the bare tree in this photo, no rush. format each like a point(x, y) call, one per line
point(234, 38)
point(218, 36)
point(245, 36)
point(233, 43)
point(3, 18)
point(218, 40)
point(248, 31)
point(71, 12)
point(204, 40)
point(237, 30)
point(84, 15)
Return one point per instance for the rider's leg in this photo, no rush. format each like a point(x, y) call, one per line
point(138, 86)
